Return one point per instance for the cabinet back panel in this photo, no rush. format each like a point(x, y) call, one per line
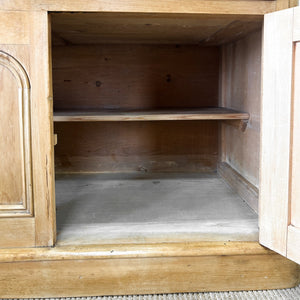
point(134, 76)
point(167, 146)
point(118, 77)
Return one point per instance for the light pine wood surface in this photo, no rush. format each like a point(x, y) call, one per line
point(77, 270)
point(14, 27)
point(17, 232)
point(134, 77)
point(16, 209)
point(149, 275)
point(170, 6)
point(155, 115)
point(12, 188)
point(240, 77)
point(42, 129)
point(137, 250)
point(275, 130)
point(142, 28)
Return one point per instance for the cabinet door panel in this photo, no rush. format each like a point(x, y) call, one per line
point(15, 142)
point(26, 145)
point(280, 137)
point(275, 130)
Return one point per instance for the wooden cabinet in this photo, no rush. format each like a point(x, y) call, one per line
point(177, 147)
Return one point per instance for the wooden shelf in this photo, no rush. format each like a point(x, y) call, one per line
point(215, 113)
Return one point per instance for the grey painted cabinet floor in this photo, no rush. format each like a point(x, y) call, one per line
point(109, 208)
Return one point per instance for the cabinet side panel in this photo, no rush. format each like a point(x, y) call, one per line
point(275, 130)
point(241, 64)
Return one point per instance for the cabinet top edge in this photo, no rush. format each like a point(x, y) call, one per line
point(217, 7)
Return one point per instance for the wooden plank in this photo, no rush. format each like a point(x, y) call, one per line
point(42, 130)
point(294, 3)
point(243, 187)
point(275, 130)
point(134, 77)
point(17, 5)
point(95, 277)
point(154, 115)
point(236, 30)
point(293, 244)
point(17, 232)
point(14, 28)
point(117, 251)
point(241, 90)
point(282, 4)
point(132, 28)
point(247, 7)
point(296, 34)
point(295, 142)
point(176, 146)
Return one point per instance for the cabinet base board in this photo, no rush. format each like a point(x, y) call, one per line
point(142, 269)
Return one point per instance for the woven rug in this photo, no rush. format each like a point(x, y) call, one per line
point(285, 294)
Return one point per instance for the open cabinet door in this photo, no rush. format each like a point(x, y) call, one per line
point(26, 183)
point(279, 210)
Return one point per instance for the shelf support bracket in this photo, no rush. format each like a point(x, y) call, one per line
point(239, 124)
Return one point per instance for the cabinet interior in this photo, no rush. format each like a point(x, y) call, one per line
point(150, 113)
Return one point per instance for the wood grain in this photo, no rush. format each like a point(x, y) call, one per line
point(15, 136)
point(14, 28)
point(241, 90)
point(133, 276)
point(130, 28)
point(117, 251)
point(282, 4)
point(134, 77)
point(140, 77)
point(154, 115)
point(42, 130)
point(136, 146)
point(245, 7)
point(294, 3)
point(12, 189)
point(275, 130)
point(17, 232)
